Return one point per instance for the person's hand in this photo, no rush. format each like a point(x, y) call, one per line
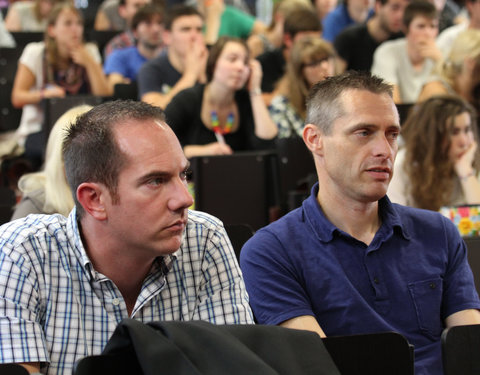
point(81, 56)
point(217, 148)
point(255, 80)
point(429, 50)
point(463, 165)
point(196, 59)
point(53, 91)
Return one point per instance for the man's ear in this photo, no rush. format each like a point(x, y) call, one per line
point(92, 198)
point(313, 138)
point(122, 11)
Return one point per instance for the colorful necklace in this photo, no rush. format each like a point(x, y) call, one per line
point(227, 128)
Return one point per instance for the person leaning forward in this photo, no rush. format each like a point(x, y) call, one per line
point(349, 261)
point(130, 247)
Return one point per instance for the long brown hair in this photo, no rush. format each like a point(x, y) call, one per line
point(427, 135)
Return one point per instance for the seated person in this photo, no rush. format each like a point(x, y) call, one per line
point(29, 15)
point(62, 65)
point(272, 38)
point(311, 61)
point(323, 7)
point(356, 44)
point(129, 248)
point(459, 72)
point(6, 39)
point(407, 62)
point(349, 261)
point(181, 64)
point(126, 10)
point(122, 65)
point(47, 191)
point(440, 161)
point(219, 117)
point(298, 23)
point(347, 13)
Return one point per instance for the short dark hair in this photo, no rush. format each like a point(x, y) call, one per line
point(217, 49)
point(419, 8)
point(90, 150)
point(178, 11)
point(146, 13)
point(301, 20)
point(324, 105)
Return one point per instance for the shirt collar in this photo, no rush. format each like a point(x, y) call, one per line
point(313, 214)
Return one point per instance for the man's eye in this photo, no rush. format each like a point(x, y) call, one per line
point(156, 181)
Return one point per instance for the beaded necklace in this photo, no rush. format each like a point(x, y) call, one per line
point(227, 128)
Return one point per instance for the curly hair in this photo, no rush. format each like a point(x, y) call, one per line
point(427, 134)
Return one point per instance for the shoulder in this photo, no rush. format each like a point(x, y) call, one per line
point(23, 6)
point(391, 46)
point(34, 48)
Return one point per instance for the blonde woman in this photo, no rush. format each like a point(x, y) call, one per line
point(47, 192)
point(311, 61)
point(459, 73)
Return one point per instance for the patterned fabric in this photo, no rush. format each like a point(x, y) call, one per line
point(283, 114)
point(54, 306)
point(123, 40)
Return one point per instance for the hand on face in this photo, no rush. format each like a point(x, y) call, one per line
point(429, 50)
point(463, 165)
point(196, 58)
point(80, 55)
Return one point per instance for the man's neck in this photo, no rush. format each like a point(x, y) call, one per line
point(376, 31)
point(217, 95)
point(127, 270)
point(360, 220)
point(416, 59)
point(147, 51)
point(358, 14)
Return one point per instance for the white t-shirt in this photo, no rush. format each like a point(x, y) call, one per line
point(447, 37)
point(391, 62)
point(32, 114)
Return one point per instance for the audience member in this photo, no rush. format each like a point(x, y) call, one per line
point(181, 64)
point(122, 65)
point(439, 164)
point(345, 14)
point(116, 14)
point(127, 10)
point(311, 61)
point(29, 15)
point(349, 261)
point(62, 65)
point(356, 44)
point(47, 191)
point(272, 38)
point(447, 37)
point(449, 12)
point(6, 39)
point(323, 7)
point(220, 117)
point(222, 19)
point(459, 73)
point(407, 62)
point(129, 248)
point(298, 23)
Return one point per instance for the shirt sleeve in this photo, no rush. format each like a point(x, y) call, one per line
point(273, 284)
point(149, 79)
point(21, 335)
point(115, 63)
point(285, 117)
point(222, 297)
point(384, 63)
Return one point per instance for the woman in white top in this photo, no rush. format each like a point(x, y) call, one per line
point(440, 161)
point(62, 65)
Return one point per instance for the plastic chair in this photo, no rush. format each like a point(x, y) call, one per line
point(239, 234)
point(461, 350)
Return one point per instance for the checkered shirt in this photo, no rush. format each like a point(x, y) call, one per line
point(55, 308)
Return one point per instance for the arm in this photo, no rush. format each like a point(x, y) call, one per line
point(32, 367)
point(101, 21)
point(305, 322)
point(22, 93)
point(265, 128)
point(462, 318)
point(430, 89)
point(98, 80)
point(12, 20)
point(213, 15)
point(467, 176)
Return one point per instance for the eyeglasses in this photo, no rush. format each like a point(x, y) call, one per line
point(315, 63)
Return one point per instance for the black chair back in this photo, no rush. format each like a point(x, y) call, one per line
point(371, 354)
point(22, 38)
point(473, 247)
point(12, 369)
point(9, 116)
point(239, 234)
point(461, 349)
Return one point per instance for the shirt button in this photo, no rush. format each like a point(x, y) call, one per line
point(376, 281)
point(116, 302)
point(432, 285)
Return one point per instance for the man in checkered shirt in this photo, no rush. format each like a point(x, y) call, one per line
point(130, 247)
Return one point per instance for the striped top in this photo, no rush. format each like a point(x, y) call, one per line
point(55, 308)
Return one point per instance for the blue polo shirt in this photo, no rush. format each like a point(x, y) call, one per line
point(411, 277)
point(125, 61)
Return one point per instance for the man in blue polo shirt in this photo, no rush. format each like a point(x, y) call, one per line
point(349, 261)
